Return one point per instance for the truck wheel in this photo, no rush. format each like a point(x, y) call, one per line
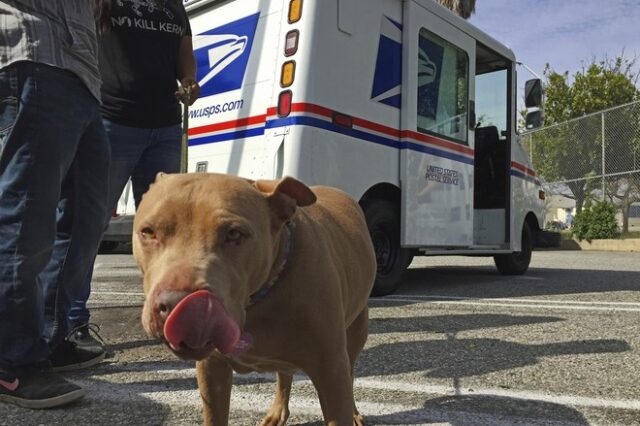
point(516, 263)
point(107, 247)
point(383, 220)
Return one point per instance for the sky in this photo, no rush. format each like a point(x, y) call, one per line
point(567, 34)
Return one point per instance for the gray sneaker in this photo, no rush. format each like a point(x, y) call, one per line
point(83, 336)
point(36, 388)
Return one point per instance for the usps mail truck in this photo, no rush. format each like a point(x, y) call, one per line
point(402, 104)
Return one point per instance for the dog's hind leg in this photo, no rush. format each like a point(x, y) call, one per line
point(214, 382)
point(356, 338)
point(279, 412)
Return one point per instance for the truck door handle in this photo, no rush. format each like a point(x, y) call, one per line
point(472, 115)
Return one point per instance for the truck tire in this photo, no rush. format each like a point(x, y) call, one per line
point(383, 221)
point(107, 247)
point(516, 263)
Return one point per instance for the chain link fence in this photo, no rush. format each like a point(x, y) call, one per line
point(595, 157)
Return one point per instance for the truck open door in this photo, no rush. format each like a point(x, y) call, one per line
point(437, 121)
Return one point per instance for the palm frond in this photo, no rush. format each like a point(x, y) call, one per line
point(463, 8)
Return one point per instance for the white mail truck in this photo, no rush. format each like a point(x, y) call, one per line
point(402, 104)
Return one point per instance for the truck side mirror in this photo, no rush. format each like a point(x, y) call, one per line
point(533, 93)
point(533, 120)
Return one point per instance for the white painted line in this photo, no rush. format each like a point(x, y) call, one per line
point(446, 300)
point(251, 398)
point(122, 261)
point(382, 413)
point(258, 403)
point(418, 298)
point(139, 387)
point(487, 302)
point(571, 400)
point(517, 300)
point(119, 273)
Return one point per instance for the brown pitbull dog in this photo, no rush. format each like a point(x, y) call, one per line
point(257, 276)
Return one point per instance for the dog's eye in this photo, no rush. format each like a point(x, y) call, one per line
point(147, 233)
point(234, 236)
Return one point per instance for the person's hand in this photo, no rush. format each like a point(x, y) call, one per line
point(189, 91)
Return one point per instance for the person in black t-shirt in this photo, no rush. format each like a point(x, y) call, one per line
point(144, 54)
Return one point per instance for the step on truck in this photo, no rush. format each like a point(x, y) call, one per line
point(402, 104)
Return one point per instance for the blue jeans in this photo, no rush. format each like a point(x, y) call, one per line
point(54, 161)
point(139, 153)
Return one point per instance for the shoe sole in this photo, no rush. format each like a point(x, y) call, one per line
point(53, 402)
point(89, 345)
point(79, 366)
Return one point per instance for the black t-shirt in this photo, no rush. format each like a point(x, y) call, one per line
point(139, 62)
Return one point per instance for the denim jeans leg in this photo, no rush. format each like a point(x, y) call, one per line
point(81, 213)
point(127, 145)
point(22, 253)
point(52, 111)
point(162, 155)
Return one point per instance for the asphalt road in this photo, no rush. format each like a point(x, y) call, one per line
point(458, 344)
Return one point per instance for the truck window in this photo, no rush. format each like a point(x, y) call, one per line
point(491, 100)
point(443, 82)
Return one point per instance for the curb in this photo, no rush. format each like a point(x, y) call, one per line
point(630, 244)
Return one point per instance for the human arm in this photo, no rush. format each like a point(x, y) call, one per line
point(187, 70)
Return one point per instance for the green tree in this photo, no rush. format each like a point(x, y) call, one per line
point(601, 85)
point(572, 151)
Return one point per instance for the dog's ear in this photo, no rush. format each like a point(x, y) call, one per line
point(301, 193)
point(159, 176)
point(285, 195)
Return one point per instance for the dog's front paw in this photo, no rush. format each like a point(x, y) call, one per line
point(277, 416)
point(358, 420)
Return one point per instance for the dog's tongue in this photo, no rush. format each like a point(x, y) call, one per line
point(201, 320)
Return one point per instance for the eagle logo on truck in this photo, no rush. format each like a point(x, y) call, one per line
point(387, 78)
point(427, 69)
point(222, 55)
point(222, 50)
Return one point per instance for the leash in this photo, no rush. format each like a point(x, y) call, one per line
point(184, 144)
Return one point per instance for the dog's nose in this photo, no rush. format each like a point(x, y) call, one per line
point(166, 301)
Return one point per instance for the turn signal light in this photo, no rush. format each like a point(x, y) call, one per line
point(295, 11)
point(288, 73)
